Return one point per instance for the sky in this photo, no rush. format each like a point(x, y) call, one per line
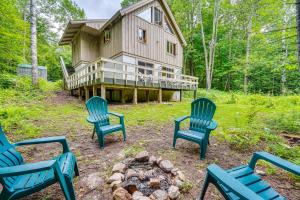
point(99, 9)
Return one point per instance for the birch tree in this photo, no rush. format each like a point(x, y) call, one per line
point(209, 52)
point(33, 45)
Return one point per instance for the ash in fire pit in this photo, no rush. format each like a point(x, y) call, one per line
point(145, 178)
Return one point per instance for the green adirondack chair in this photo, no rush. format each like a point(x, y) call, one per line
point(99, 117)
point(201, 124)
point(20, 179)
point(241, 183)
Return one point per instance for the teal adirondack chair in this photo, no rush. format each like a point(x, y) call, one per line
point(241, 183)
point(20, 179)
point(201, 124)
point(99, 117)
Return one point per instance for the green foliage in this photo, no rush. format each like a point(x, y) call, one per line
point(268, 65)
point(20, 105)
point(126, 3)
point(285, 122)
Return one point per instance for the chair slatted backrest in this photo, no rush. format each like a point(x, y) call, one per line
point(8, 157)
point(97, 108)
point(202, 114)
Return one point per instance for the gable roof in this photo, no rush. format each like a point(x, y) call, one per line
point(75, 26)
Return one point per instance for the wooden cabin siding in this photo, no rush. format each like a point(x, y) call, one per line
point(155, 47)
point(89, 47)
point(113, 47)
point(85, 48)
point(76, 50)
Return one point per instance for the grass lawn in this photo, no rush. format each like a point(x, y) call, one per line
point(246, 123)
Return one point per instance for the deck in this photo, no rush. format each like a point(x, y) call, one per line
point(107, 72)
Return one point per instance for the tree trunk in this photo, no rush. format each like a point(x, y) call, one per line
point(248, 51)
point(285, 49)
point(33, 46)
point(210, 58)
point(298, 32)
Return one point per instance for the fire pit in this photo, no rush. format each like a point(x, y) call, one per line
point(145, 178)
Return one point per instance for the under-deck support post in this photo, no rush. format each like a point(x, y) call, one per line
point(160, 95)
point(147, 95)
point(181, 94)
point(79, 94)
point(94, 90)
point(87, 93)
point(195, 94)
point(103, 91)
point(123, 96)
point(135, 96)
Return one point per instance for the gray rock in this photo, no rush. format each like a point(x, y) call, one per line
point(115, 185)
point(178, 183)
point(139, 196)
point(181, 176)
point(166, 165)
point(158, 160)
point(115, 177)
point(142, 156)
point(152, 160)
point(173, 192)
point(121, 194)
point(92, 181)
point(159, 195)
point(119, 168)
point(131, 173)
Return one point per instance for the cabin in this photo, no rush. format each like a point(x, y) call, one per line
point(135, 56)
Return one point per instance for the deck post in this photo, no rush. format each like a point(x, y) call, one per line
point(94, 90)
point(103, 91)
point(135, 96)
point(181, 94)
point(195, 94)
point(79, 94)
point(147, 95)
point(87, 93)
point(160, 95)
point(123, 96)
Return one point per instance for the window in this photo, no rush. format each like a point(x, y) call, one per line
point(142, 35)
point(168, 27)
point(171, 48)
point(165, 72)
point(145, 71)
point(158, 16)
point(146, 15)
point(107, 36)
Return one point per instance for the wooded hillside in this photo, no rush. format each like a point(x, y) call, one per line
point(52, 17)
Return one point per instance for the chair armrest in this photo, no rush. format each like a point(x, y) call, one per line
point(116, 114)
point(26, 168)
point(180, 119)
point(221, 176)
point(213, 125)
point(91, 119)
point(279, 162)
point(59, 139)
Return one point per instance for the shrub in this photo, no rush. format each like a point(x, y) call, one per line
point(242, 139)
point(284, 122)
point(6, 81)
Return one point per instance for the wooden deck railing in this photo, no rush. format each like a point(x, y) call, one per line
point(105, 70)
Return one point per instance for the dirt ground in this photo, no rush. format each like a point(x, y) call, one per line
point(157, 140)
